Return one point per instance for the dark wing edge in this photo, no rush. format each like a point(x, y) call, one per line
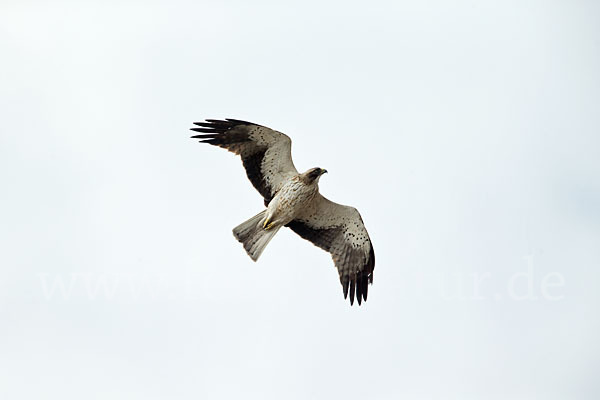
point(234, 135)
point(357, 279)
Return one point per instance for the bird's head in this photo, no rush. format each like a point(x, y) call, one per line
point(313, 174)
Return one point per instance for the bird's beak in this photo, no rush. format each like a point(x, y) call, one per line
point(323, 171)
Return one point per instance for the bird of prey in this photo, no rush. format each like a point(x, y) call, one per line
point(293, 200)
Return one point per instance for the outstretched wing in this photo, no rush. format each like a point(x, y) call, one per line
point(266, 154)
point(340, 231)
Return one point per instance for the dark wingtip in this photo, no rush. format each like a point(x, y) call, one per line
point(206, 130)
point(345, 288)
point(218, 126)
point(239, 122)
point(203, 137)
point(361, 288)
point(358, 284)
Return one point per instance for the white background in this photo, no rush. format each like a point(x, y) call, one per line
point(466, 133)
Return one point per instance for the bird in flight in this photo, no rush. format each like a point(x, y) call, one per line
point(292, 200)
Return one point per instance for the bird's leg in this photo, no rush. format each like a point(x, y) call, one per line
point(267, 224)
point(271, 215)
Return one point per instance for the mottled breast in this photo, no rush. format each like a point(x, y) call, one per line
point(292, 196)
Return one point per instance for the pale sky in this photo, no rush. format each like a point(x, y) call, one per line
point(467, 133)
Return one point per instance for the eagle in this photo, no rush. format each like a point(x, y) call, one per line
point(292, 200)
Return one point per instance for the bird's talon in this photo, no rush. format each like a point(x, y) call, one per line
point(267, 225)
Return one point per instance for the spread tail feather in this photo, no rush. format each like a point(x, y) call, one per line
point(253, 236)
